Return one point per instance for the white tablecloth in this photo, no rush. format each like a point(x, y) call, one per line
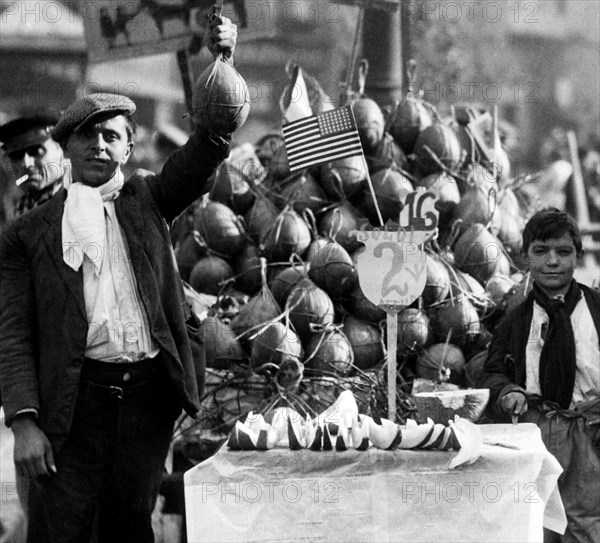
point(282, 495)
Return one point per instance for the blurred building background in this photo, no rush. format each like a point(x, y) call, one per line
point(538, 60)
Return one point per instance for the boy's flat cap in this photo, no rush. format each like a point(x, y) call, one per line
point(83, 110)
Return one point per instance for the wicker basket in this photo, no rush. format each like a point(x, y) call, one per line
point(443, 406)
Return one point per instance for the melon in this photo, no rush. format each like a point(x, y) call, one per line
point(274, 342)
point(221, 101)
point(410, 119)
point(441, 362)
point(219, 227)
point(330, 352)
point(366, 341)
point(391, 188)
point(437, 148)
point(344, 178)
point(443, 406)
point(287, 235)
point(369, 123)
point(309, 305)
point(480, 254)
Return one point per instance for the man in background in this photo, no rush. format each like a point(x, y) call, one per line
point(36, 160)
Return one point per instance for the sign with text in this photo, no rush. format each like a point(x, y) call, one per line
point(392, 269)
point(118, 29)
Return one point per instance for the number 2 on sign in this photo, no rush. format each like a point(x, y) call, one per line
point(397, 263)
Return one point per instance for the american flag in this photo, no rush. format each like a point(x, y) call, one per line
point(321, 138)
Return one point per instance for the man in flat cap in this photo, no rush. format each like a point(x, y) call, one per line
point(95, 361)
point(36, 160)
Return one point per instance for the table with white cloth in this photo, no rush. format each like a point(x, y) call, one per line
point(508, 494)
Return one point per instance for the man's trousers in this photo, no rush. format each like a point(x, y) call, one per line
point(112, 462)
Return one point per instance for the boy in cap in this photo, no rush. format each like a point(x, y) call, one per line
point(543, 366)
point(95, 361)
point(36, 160)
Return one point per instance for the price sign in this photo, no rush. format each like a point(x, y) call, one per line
point(392, 269)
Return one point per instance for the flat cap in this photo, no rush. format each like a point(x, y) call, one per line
point(26, 131)
point(83, 110)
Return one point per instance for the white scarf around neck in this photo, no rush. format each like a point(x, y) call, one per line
point(84, 223)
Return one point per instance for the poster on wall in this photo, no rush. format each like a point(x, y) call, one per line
point(122, 29)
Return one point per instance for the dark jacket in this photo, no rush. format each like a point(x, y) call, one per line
point(505, 367)
point(43, 324)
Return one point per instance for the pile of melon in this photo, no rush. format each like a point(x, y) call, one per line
point(275, 251)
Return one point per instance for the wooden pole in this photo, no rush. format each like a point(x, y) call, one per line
point(406, 50)
point(347, 91)
point(579, 193)
point(183, 61)
point(392, 366)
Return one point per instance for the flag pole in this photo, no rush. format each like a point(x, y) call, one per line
point(369, 182)
point(495, 142)
point(372, 190)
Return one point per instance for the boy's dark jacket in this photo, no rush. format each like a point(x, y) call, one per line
point(43, 324)
point(505, 365)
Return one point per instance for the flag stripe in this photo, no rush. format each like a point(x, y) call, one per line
point(309, 141)
point(300, 123)
point(321, 159)
point(295, 130)
point(324, 154)
point(330, 147)
point(335, 142)
point(316, 153)
point(321, 138)
point(307, 133)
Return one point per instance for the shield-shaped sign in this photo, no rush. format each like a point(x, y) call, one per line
point(392, 269)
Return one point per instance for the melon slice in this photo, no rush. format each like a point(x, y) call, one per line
point(446, 443)
point(262, 444)
point(234, 439)
point(243, 438)
point(360, 434)
point(470, 440)
point(396, 441)
point(294, 431)
point(343, 411)
point(436, 438)
point(414, 434)
point(327, 445)
point(266, 437)
point(281, 417)
point(340, 444)
point(423, 443)
point(316, 442)
point(382, 435)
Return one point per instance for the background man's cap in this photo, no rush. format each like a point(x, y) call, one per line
point(83, 110)
point(26, 131)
